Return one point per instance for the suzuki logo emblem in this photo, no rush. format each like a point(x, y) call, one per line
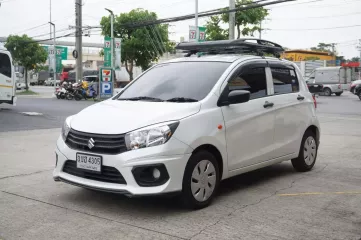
point(91, 143)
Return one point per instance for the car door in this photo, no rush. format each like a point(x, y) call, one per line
point(250, 125)
point(290, 108)
point(6, 78)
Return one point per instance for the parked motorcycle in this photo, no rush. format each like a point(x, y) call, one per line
point(85, 93)
point(60, 92)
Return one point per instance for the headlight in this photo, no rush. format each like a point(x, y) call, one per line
point(66, 128)
point(150, 136)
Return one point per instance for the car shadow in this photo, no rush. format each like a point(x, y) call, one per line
point(159, 205)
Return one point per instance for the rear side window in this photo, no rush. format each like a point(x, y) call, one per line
point(5, 65)
point(284, 81)
point(252, 79)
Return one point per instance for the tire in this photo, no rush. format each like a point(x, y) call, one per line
point(69, 97)
point(77, 97)
point(338, 94)
point(207, 184)
point(57, 96)
point(327, 92)
point(308, 153)
point(62, 95)
point(359, 94)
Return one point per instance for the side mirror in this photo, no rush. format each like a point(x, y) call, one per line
point(238, 96)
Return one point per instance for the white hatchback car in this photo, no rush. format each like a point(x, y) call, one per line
point(185, 125)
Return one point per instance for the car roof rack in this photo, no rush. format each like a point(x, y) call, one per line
point(258, 47)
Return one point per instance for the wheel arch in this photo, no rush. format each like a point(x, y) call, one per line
point(315, 130)
point(217, 154)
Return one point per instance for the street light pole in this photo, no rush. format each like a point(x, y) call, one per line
point(54, 60)
point(196, 19)
point(111, 36)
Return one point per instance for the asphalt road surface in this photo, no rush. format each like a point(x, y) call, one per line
point(272, 203)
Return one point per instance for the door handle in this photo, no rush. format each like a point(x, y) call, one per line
point(268, 104)
point(300, 97)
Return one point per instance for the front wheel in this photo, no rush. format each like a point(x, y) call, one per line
point(77, 97)
point(308, 153)
point(359, 95)
point(200, 181)
point(327, 91)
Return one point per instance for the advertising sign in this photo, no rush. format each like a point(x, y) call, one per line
point(193, 37)
point(107, 52)
point(106, 82)
point(117, 48)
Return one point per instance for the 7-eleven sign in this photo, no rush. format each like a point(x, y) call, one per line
point(106, 75)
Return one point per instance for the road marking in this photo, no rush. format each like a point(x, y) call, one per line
point(31, 113)
point(316, 193)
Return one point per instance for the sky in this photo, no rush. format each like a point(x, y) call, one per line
point(301, 24)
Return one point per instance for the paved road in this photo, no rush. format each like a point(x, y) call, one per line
point(271, 203)
point(54, 113)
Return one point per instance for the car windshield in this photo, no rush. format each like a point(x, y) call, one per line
point(176, 82)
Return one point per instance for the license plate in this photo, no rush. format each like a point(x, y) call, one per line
point(89, 162)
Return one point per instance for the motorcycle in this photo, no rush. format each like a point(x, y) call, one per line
point(60, 92)
point(81, 93)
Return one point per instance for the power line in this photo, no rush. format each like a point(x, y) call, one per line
point(315, 29)
point(32, 28)
point(329, 16)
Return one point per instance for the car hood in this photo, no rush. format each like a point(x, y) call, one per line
point(116, 117)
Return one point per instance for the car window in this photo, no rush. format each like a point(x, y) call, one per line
point(5, 65)
point(177, 80)
point(284, 81)
point(252, 80)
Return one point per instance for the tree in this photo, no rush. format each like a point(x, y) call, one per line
point(26, 52)
point(249, 20)
point(214, 31)
point(323, 47)
point(140, 46)
point(355, 59)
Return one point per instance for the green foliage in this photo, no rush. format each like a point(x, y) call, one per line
point(249, 19)
point(214, 31)
point(355, 59)
point(26, 52)
point(247, 22)
point(323, 47)
point(137, 46)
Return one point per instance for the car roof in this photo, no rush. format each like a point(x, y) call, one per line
point(214, 58)
point(223, 58)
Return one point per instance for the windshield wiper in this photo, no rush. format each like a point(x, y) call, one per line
point(141, 98)
point(181, 99)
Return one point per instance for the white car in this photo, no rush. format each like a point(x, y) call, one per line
point(186, 124)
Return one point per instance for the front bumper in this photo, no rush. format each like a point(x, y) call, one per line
point(173, 155)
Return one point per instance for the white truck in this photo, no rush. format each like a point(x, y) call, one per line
point(333, 79)
point(7, 78)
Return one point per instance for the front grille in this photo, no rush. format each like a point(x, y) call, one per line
point(103, 143)
point(108, 174)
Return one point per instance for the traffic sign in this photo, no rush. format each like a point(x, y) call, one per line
point(106, 89)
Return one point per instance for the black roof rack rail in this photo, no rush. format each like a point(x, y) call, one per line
point(243, 46)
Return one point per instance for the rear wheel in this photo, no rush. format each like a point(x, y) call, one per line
point(359, 94)
point(69, 96)
point(200, 181)
point(308, 153)
point(77, 97)
point(327, 91)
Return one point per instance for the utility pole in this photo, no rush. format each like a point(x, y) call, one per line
point(50, 20)
point(260, 30)
point(78, 39)
point(196, 18)
point(111, 36)
point(54, 60)
point(359, 48)
point(232, 19)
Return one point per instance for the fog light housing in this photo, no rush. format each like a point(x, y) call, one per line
point(150, 175)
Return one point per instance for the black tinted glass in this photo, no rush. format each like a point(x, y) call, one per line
point(284, 81)
point(5, 65)
point(174, 80)
point(252, 80)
